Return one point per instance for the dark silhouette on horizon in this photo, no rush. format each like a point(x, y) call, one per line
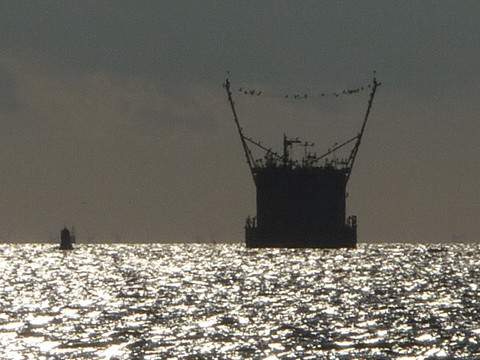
point(300, 203)
point(66, 239)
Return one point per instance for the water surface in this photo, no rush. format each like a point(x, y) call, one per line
point(226, 302)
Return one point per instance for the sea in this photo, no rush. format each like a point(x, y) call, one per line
point(227, 302)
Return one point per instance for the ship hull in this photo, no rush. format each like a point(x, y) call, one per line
point(301, 208)
point(345, 237)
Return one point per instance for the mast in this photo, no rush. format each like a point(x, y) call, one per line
point(287, 143)
point(353, 154)
point(246, 149)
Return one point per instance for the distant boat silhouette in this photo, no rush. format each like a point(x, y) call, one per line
point(66, 239)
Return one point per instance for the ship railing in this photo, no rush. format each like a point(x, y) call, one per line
point(251, 223)
point(352, 221)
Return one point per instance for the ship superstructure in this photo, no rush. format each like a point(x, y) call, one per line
point(300, 203)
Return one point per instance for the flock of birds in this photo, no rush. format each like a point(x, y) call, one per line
point(303, 96)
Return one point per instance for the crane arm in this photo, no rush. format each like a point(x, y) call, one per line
point(336, 148)
point(264, 148)
point(354, 152)
point(246, 149)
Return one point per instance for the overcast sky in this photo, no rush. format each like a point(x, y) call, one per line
point(113, 117)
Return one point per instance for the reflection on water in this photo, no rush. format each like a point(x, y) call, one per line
point(177, 301)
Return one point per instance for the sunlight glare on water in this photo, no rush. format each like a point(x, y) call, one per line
point(224, 301)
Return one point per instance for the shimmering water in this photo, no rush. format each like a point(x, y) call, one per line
point(226, 302)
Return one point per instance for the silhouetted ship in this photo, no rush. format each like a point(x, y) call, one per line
point(300, 204)
point(66, 239)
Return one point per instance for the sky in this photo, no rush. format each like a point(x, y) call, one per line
point(113, 117)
